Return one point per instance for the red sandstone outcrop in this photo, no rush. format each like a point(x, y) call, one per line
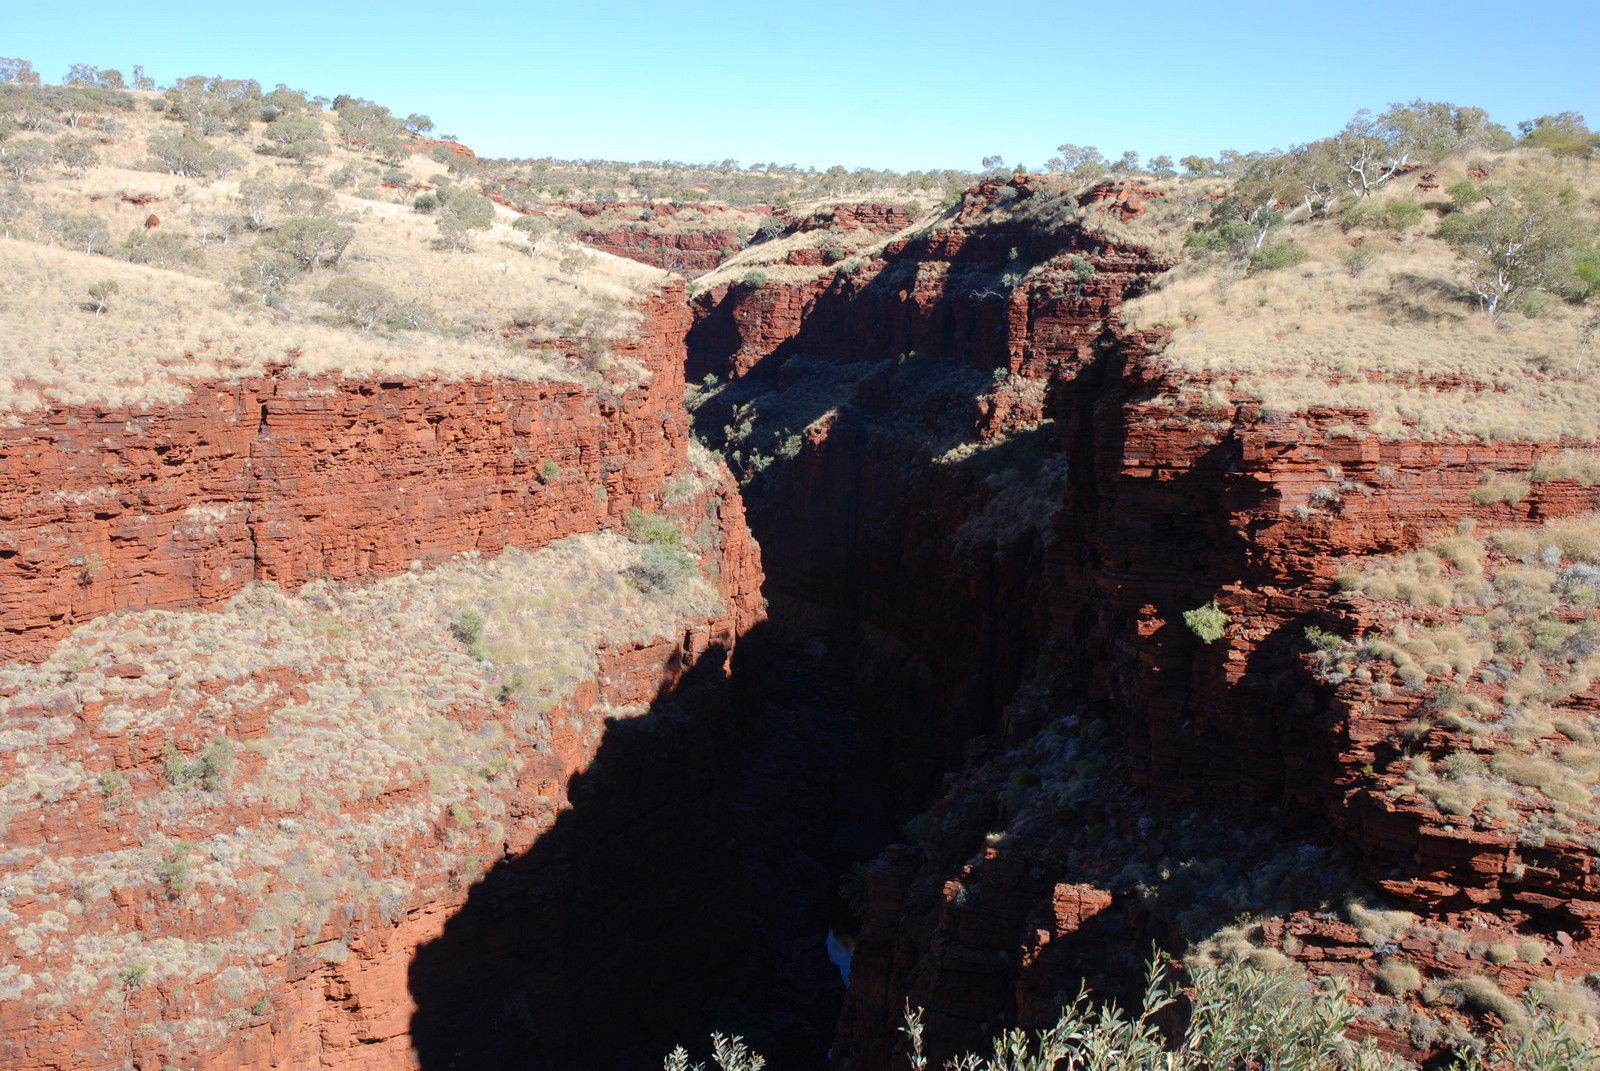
point(288, 478)
point(1169, 502)
point(291, 479)
point(688, 239)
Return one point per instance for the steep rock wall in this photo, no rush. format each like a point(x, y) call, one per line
point(1169, 500)
point(292, 479)
point(343, 994)
point(893, 522)
point(288, 478)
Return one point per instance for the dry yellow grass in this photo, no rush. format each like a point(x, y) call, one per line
point(382, 742)
point(1400, 339)
point(767, 257)
point(167, 327)
point(164, 330)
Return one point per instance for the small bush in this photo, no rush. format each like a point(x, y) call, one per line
point(425, 203)
point(651, 529)
point(365, 305)
point(549, 472)
point(1230, 234)
point(204, 772)
point(164, 249)
point(754, 279)
point(1463, 195)
point(1496, 489)
point(173, 871)
point(468, 631)
point(100, 295)
point(1398, 979)
point(113, 786)
point(1395, 216)
point(1277, 256)
point(1208, 622)
point(661, 568)
point(1356, 261)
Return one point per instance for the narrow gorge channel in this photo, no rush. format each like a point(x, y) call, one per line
point(841, 632)
point(978, 707)
point(903, 469)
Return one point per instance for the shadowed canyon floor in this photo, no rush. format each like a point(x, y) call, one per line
point(1016, 606)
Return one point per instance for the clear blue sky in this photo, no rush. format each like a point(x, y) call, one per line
point(931, 84)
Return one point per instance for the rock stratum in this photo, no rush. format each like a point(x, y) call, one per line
point(257, 750)
point(371, 722)
point(1014, 498)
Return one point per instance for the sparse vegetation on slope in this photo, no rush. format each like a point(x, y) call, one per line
point(307, 744)
point(257, 228)
point(1238, 1016)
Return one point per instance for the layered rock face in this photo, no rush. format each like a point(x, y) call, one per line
point(1038, 627)
point(686, 239)
point(273, 726)
point(914, 507)
point(288, 478)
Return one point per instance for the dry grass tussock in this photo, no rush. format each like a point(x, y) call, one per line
point(1502, 638)
point(417, 699)
point(856, 246)
point(1390, 329)
point(164, 330)
point(184, 317)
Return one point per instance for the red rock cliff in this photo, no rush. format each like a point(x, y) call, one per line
point(133, 845)
point(287, 478)
point(1166, 503)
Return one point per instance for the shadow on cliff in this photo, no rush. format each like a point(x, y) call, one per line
point(878, 310)
point(689, 888)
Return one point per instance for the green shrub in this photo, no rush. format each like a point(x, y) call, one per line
point(364, 305)
point(661, 568)
point(113, 786)
point(173, 871)
point(1356, 261)
point(187, 156)
point(1392, 216)
point(1463, 195)
point(310, 241)
point(468, 631)
point(549, 472)
point(100, 295)
point(204, 772)
point(1277, 256)
point(1402, 215)
point(651, 529)
point(754, 279)
point(162, 248)
point(1020, 786)
point(425, 203)
point(461, 213)
point(1229, 234)
point(1208, 622)
point(1241, 1016)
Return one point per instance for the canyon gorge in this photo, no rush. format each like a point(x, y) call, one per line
point(347, 722)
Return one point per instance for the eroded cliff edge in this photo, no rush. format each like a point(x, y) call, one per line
point(305, 657)
point(960, 456)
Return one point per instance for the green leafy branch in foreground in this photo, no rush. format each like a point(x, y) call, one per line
point(1239, 1017)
